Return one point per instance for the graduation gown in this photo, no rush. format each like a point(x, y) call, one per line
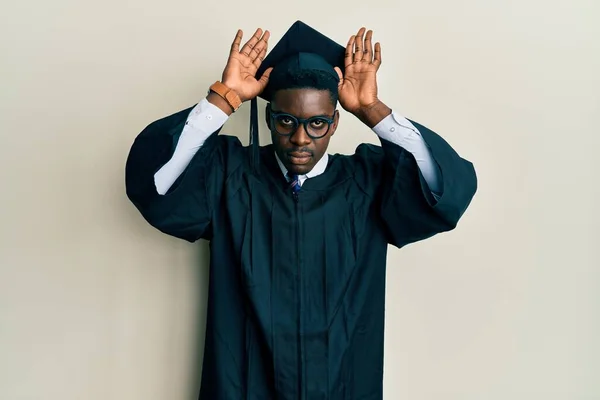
point(297, 285)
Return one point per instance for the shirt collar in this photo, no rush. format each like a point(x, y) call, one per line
point(317, 170)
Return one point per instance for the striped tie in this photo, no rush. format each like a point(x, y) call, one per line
point(294, 183)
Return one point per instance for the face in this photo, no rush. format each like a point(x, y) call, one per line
point(298, 151)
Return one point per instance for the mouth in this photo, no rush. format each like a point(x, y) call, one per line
point(299, 158)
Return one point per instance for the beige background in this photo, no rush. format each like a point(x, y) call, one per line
point(95, 304)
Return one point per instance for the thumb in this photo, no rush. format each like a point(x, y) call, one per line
point(340, 75)
point(264, 79)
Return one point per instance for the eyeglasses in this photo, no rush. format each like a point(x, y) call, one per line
point(287, 124)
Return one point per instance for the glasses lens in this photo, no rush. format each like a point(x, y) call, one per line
point(318, 127)
point(285, 125)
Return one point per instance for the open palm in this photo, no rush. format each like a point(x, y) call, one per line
point(240, 71)
point(358, 85)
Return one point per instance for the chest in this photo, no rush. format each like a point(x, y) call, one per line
point(307, 219)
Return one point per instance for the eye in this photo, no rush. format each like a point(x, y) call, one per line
point(285, 121)
point(318, 123)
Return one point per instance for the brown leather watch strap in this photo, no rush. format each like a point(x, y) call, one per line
point(232, 98)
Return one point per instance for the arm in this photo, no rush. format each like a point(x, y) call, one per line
point(400, 131)
point(204, 119)
point(185, 210)
point(401, 175)
point(177, 166)
point(408, 208)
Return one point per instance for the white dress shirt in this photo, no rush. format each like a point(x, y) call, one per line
point(205, 118)
point(317, 170)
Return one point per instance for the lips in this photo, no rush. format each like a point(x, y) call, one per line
point(299, 158)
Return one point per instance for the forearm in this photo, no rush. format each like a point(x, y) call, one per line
point(207, 117)
point(396, 129)
point(219, 102)
point(413, 208)
point(373, 114)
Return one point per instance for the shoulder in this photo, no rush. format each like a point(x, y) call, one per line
point(229, 149)
point(364, 156)
point(364, 166)
point(368, 151)
point(229, 141)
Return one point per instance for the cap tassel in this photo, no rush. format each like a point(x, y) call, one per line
point(254, 151)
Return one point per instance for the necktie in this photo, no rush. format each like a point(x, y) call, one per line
point(294, 183)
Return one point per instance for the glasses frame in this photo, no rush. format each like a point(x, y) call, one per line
point(304, 121)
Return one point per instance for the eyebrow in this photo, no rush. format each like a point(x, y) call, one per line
point(312, 116)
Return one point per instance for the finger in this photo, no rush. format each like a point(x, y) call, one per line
point(252, 42)
point(235, 46)
point(377, 60)
point(264, 79)
point(368, 52)
point(359, 45)
point(349, 56)
point(339, 72)
point(260, 57)
point(260, 46)
point(340, 75)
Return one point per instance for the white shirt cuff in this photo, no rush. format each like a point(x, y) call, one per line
point(396, 129)
point(206, 117)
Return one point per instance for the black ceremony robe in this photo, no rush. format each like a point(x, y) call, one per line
point(297, 288)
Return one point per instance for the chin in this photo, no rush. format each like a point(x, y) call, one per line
point(299, 169)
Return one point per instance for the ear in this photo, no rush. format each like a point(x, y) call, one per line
point(336, 120)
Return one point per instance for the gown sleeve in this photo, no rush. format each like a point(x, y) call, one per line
point(186, 210)
point(408, 209)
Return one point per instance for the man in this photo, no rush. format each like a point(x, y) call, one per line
point(298, 237)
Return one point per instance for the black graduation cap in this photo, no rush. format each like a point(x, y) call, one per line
point(300, 48)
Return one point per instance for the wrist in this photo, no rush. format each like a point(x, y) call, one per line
point(228, 95)
point(232, 88)
point(373, 113)
point(220, 102)
point(236, 88)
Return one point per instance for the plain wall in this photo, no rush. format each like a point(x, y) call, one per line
point(95, 304)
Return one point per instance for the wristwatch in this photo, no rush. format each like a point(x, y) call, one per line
point(232, 98)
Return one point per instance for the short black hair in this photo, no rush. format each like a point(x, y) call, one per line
point(303, 79)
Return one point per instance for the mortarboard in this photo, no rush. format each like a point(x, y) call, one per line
point(300, 48)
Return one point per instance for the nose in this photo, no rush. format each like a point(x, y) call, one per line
point(300, 137)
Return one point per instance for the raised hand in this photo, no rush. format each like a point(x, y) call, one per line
point(242, 64)
point(358, 84)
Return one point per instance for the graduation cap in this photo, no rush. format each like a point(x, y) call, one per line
point(301, 48)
